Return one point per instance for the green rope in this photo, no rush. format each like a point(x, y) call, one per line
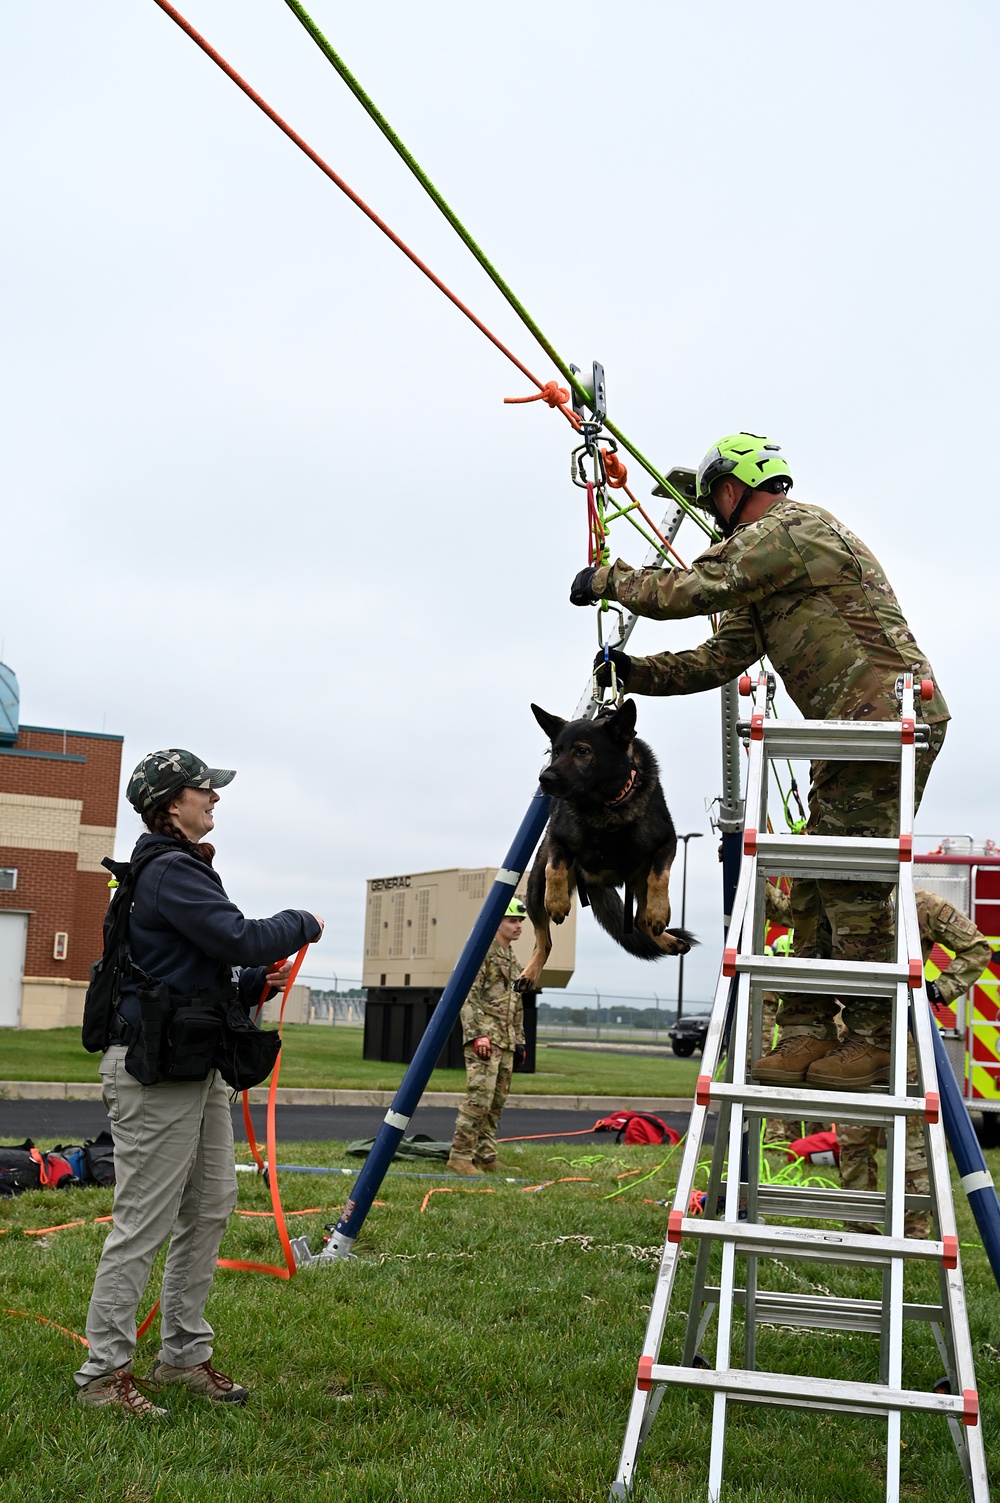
point(561, 365)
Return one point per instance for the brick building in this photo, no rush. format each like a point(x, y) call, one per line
point(58, 806)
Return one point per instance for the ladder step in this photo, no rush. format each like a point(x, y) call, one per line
point(822, 1311)
point(833, 1106)
point(777, 1202)
point(834, 857)
point(838, 740)
point(857, 978)
point(759, 1240)
point(812, 1393)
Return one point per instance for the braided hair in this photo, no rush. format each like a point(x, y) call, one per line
point(159, 821)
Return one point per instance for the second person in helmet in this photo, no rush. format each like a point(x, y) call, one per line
point(493, 1034)
point(793, 583)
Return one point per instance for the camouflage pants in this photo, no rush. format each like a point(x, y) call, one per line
point(487, 1084)
point(849, 920)
point(779, 1130)
point(859, 1167)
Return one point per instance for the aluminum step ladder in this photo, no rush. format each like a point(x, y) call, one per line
point(747, 1218)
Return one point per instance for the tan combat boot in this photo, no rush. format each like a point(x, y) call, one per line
point(853, 1066)
point(789, 1061)
point(462, 1166)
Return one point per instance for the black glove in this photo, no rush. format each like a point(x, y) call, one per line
point(623, 667)
point(520, 1055)
point(934, 992)
point(580, 592)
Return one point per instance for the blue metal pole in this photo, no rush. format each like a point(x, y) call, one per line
point(977, 1182)
point(407, 1098)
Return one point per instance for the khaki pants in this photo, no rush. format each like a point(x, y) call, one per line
point(175, 1178)
point(487, 1084)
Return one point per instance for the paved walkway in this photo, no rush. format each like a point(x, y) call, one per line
point(48, 1122)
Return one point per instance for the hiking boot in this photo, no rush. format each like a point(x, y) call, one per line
point(853, 1066)
point(788, 1062)
point(120, 1390)
point(462, 1166)
point(202, 1380)
point(487, 1166)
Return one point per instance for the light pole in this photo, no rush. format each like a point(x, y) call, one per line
point(694, 835)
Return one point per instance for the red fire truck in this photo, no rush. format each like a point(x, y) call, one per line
point(967, 873)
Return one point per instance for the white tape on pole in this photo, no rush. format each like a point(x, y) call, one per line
point(511, 879)
point(396, 1119)
point(980, 1179)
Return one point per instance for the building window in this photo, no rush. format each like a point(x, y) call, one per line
point(8, 878)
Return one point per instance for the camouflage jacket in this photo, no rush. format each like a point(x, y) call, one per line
point(942, 924)
point(493, 1009)
point(798, 587)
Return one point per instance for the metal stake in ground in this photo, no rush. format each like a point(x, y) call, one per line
point(407, 1098)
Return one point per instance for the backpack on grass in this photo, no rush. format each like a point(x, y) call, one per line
point(637, 1127)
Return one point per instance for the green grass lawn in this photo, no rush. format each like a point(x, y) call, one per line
point(331, 1058)
point(481, 1352)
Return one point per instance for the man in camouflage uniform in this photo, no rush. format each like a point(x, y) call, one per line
point(941, 924)
point(779, 1132)
point(493, 1034)
point(794, 583)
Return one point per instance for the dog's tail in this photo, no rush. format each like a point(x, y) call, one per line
point(609, 911)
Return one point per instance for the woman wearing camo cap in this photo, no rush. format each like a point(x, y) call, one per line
point(174, 1158)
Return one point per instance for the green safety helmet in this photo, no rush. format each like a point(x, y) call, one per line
point(749, 457)
point(516, 909)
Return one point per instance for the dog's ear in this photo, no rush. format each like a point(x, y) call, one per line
point(550, 724)
point(621, 725)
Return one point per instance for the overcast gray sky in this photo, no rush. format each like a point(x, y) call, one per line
point(263, 498)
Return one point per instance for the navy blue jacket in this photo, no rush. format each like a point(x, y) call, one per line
point(185, 931)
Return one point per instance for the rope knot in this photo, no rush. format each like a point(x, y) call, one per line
point(552, 393)
point(614, 469)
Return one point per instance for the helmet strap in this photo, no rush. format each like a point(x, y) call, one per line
point(728, 528)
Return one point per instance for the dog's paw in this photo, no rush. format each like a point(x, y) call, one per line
point(654, 926)
point(559, 911)
point(526, 982)
point(676, 941)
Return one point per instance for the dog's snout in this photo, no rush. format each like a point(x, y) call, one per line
point(548, 779)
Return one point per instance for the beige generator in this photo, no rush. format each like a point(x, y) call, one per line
point(415, 927)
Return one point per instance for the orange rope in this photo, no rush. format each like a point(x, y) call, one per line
point(614, 469)
point(349, 192)
point(272, 1153)
point(27, 1315)
point(451, 1190)
point(554, 395)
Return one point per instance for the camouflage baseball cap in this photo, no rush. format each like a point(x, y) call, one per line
point(162, 773)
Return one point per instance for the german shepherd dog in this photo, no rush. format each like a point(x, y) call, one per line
point(609, 827)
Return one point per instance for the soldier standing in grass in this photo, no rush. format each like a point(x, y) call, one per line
point(493, 1034)
point(941, 924)
point(794, 583)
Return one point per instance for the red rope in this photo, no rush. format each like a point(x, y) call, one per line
point(359, 203)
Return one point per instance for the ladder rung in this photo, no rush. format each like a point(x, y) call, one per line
point(821, 1311)
point(836, 1106)
point(835, 857)
point(760, 1240)
point(814, 1393)
point(787, 973)
point(812, 1201)
point(838, 740)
